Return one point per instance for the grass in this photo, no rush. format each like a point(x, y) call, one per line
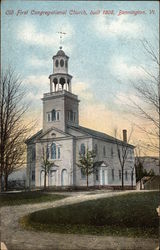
point(130, 215)
point(30, 197)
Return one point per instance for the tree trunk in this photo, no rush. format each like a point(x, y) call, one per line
point(131, 179)
point(5, 182)
point(0, 182)
point(45, 180)
point(140, 184)
point(87, 179)
point(122, 180)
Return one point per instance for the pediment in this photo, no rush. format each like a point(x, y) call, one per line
point(53, 133)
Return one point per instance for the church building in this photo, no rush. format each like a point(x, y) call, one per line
point(62, 139)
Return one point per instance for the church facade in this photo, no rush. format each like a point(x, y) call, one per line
point(62, 140)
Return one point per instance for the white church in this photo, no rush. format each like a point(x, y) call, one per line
point(63, 138)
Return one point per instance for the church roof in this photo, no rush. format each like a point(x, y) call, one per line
point(98, 164)
point(98, 135)
point(60, 53)
point(87, 131)
point(35, 136)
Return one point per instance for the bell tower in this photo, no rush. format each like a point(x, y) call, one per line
point(60, 79)
point(60, 105)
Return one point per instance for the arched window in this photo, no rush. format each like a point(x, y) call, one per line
point(120, 174)
point(53, 115)
point(66, 64)
point(57, 63)
point(47, 152)
point(83, 175)
point(83, 149)
point(59, 153)
point(55, 80)
point(62, 82)
point(112, 174)
point(126, 175)
point(53, 151)
point(62, 62)
point(97, 175)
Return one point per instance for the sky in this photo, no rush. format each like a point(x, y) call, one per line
point(105, 53)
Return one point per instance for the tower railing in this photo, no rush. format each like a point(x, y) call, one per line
point(60, 92)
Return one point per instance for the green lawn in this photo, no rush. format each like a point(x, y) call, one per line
point(131, 215)
point(31, 197)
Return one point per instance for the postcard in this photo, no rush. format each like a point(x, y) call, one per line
point(79, 115)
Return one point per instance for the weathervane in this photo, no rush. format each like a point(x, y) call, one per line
point(60, 37)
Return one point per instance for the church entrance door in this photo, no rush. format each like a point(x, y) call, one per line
point(103, 177)
point(42, 179)
point(64, 178)
point(53, 178)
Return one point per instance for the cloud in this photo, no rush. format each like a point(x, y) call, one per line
point(118, 26)
point(40, 82)
point(126, 99)
point(83, 91)
point(125, 70)
point(97, 116)
point(30, 33)
point(31, 96)
point(36, 62)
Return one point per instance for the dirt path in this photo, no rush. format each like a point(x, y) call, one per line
point(17, 238)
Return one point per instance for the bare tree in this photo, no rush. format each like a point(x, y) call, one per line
point(13, 130)
point(46, 164)
point(147, 89)
point(123, 149)
point(86, 163)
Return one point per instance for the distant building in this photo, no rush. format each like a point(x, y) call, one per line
point(149, 183)
point(63, 139)
point(17, 179)
point(150, 163)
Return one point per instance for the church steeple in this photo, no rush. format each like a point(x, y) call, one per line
point(60, 79)
point(60, 106)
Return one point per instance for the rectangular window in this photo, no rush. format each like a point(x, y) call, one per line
point(95, 149)
point(111, 152)
point(97, 175)
point(120, 175)
point(83, 176)
point(57, 115)
point(48, 117)
point(126, 175)
point(112, 174)
point(53, 115)
point(104, 151)
point(132, 176)
point(33, 175)
point(71, 115)
point(59, 153)
point(74, 116)
point(68, 115)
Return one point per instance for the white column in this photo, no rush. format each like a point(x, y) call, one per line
point(100, 176)
point(58, 85)
point(51, 85)
point(65, 83)
point(70, 88)
point(106, 177)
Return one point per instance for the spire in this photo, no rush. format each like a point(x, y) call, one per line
point(60, 37)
